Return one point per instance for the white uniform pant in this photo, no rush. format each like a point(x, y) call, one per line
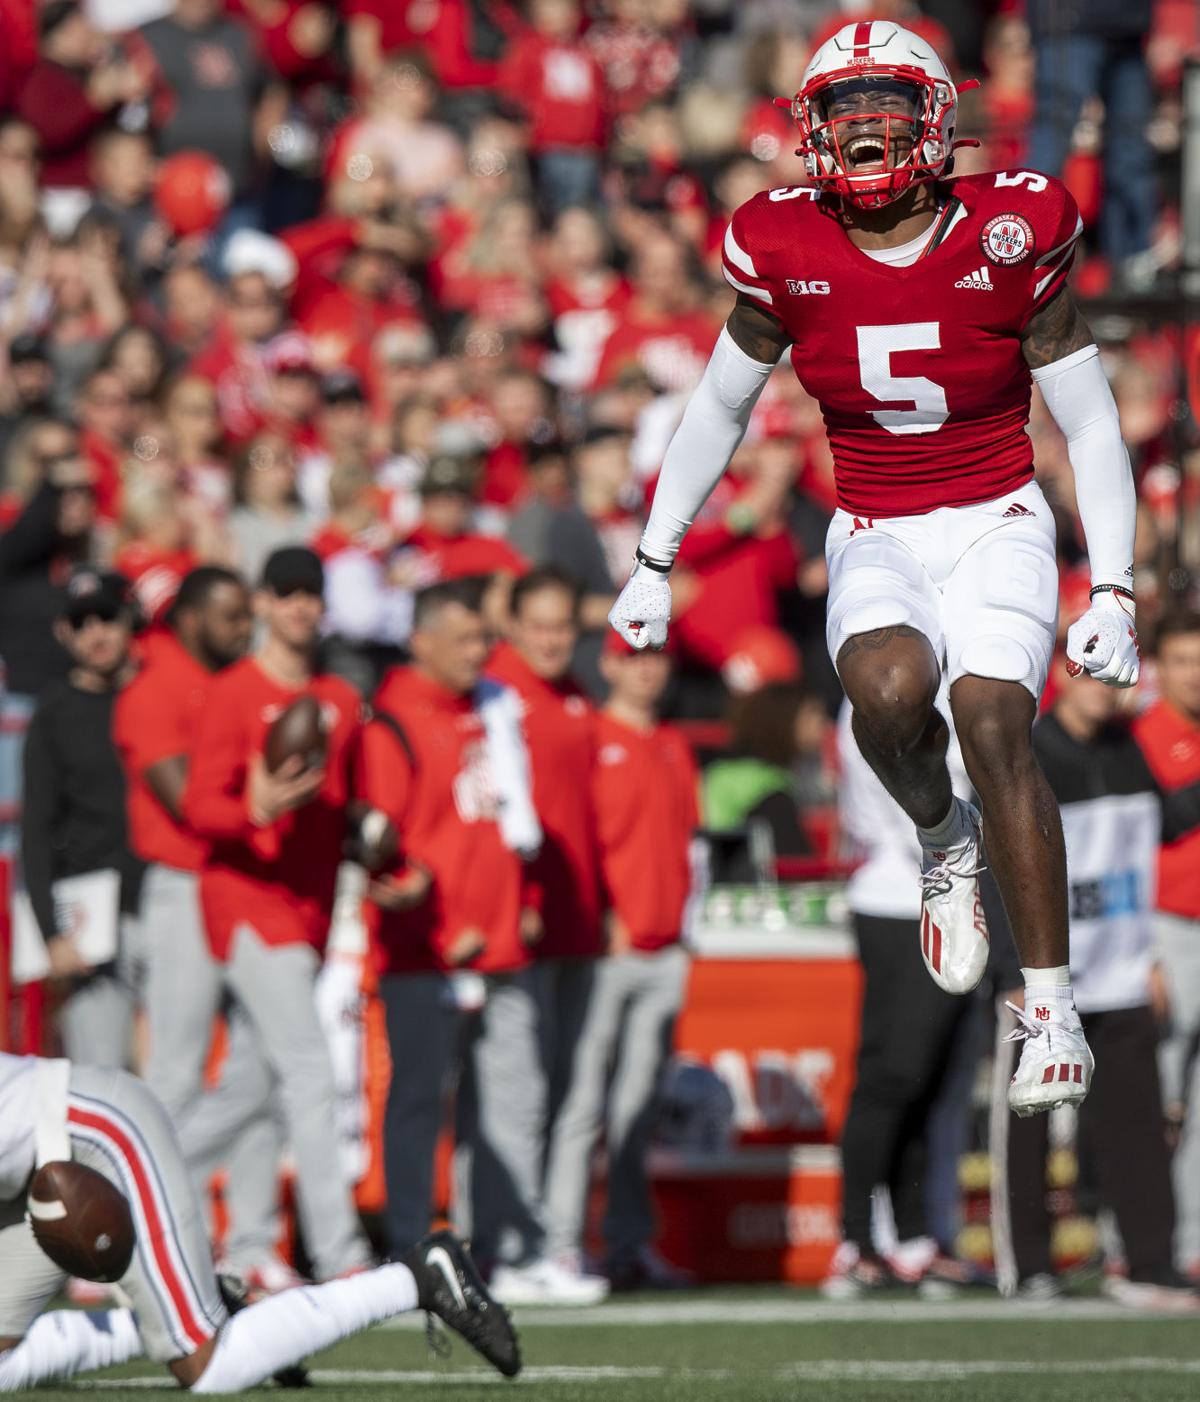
point(117, 1127)
point(980, 582)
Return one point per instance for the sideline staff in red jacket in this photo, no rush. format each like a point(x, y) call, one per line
point(645, 795)
point(267, 887)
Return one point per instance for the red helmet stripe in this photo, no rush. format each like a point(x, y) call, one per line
point(862, 39)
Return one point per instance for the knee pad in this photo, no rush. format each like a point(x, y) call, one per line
point(1001, 658)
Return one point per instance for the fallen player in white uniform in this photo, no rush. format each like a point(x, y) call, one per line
point(111, 1123)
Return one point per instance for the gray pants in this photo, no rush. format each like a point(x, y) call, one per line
point(182, 993)
point(95, 1020)
point(1179, 951)
point(116, 1127)
point(620, 1056)
point(181, 989)
point(277, 1049)
point(501, 1105)
point(501, 1122)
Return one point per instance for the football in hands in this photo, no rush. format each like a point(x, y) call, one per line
point(299, 730)
point(81, 1221)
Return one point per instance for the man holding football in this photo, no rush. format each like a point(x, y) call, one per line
point(918, 309)
point(97, 1125)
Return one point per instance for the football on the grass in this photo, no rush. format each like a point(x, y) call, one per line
point(300, 730)
point(81, 1221)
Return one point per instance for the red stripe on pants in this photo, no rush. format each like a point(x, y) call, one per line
point(196, 1332)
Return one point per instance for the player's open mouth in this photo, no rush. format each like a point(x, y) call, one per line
point(863, 151)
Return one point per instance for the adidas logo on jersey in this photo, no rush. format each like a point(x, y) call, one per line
point(978, 280)
point(1016, 509)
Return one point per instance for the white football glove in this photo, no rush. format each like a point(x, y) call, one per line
point(1103, 643)
point(643, 608)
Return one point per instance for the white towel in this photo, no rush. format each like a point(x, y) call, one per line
point(508, 758)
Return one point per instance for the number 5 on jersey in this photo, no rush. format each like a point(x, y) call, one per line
point(876, 346)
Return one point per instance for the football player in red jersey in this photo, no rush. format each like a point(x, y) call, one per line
point(917, 310)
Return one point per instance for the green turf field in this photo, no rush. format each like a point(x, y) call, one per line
point(743, 1346)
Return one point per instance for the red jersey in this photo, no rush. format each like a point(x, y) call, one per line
point(156, 717)
point(646, 811)
point(460, 557)
point(237, 374)
point(279, 879)
point(672, 349)
point(155, 574)
point(1171, 744)
point(918, 370)
point(560, 731)
point(440, 795)
point(740, 578)
point(560, 88)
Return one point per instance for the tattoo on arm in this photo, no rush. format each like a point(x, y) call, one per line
point(1058, 330)
point(756, 331)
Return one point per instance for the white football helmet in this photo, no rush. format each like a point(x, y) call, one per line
point(876, 112)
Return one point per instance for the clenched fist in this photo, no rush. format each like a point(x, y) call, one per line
point(1103, 643)
point(643, 608)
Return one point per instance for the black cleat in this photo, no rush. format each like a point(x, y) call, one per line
point(450, 1287)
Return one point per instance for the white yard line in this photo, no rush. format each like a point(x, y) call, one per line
point(810, 1311)
point(910, 1370)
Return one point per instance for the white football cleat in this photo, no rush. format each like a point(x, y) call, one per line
point(1056, 1062)
point(954, 932)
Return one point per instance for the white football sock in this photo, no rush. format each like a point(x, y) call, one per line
point(951, 830)
point(1050, 988)
point(280, 1331)
point(67, 1342)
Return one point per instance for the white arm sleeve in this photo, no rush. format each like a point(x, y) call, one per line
point(707, 437)
point(1077, 394)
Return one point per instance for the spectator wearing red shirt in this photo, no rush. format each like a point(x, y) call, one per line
point(664, 330)
point(267, 886)
point(1169, 736)
point(585, 295)
point(154, 725)
point(453, 901)
point(351, 282)
point(73, 91)
point(521, 415)
point(443, 547)
point(641, 58)
point(645, 796)
point(551, 76)
point(106, 419)
point(462, 40)
point(740, 555)
point(156, 554)
point(234, 360)
point(560, 727)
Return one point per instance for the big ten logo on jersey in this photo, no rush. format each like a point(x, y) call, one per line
point(813, 287)
point(475, 796)
point(780, 1095)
